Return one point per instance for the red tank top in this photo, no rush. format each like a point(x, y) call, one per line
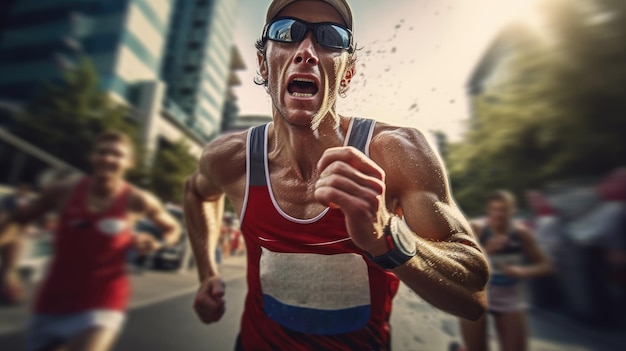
point(88, 270)
point(309, 286)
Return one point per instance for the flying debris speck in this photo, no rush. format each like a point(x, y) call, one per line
point(452, 101)
point(393, 50)
point(413, 107)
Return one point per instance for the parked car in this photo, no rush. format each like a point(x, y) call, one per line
point(172, 258)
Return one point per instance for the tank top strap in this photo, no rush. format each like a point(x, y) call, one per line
point(485, 235)
point(120, 205)
point(79, 194)
point(256, 155)
point(361, 134)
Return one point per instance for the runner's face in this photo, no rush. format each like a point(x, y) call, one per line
point(499, 212)
point(111, 159)
point(286, 65)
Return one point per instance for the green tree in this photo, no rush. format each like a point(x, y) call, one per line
point(172, 165)
point(556, 108)
point(65, 117)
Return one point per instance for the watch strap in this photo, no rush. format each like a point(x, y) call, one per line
point(402, 245)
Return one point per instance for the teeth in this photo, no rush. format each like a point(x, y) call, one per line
point(304, 80)
point(301, 95)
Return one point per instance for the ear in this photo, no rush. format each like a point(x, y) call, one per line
point(347, 76)
point(262, 65)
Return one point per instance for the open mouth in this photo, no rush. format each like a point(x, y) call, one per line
point(302, 87)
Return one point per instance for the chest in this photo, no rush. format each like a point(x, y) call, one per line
point(86, 222)
point(294, 196)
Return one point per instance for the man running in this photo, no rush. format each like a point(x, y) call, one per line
point(334, 210)
point(81, 302)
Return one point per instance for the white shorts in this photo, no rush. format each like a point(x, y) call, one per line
point(51, 330)
point(502, 299)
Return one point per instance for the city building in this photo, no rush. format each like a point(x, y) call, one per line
point(171, 61)
point(5, 9)
point(230, 112)
point(198, 62)
point(492, 68)
point(124, 39)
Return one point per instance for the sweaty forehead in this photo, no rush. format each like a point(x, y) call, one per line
point(312, 11)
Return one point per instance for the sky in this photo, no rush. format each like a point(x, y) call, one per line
point(416, 58)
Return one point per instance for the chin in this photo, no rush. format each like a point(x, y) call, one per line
point(105, 175)
point(299, 118)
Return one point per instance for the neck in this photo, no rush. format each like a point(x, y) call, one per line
point(301, 146)
point(105, 186)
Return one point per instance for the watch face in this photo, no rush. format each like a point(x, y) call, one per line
point(403, 237)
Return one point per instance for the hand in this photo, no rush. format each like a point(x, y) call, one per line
point(145, 244)
point(496, 243)
point(516, 272)
point(209, 302)
point(352, 182)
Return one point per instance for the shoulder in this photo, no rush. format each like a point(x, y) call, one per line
point(224, 159)
point(406, 154)
point(61, 191)
point(402, 144)
point(56, 195)
point(142, 201)
point(522, 231)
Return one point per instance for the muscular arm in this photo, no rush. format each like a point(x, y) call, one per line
point(449, 270)
point(221, 169)
point(203, 212)
point(540, 263)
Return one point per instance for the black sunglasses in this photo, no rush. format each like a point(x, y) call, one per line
point(293, 30)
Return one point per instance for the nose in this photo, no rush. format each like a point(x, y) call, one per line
point(306, 51)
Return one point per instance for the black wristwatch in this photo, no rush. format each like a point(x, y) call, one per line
point(403, 244)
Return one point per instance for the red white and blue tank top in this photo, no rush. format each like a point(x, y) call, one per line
point(309, 286)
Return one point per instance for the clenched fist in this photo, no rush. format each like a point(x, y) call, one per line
point(209, 303)
point(352, 182)
point(145, 244)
